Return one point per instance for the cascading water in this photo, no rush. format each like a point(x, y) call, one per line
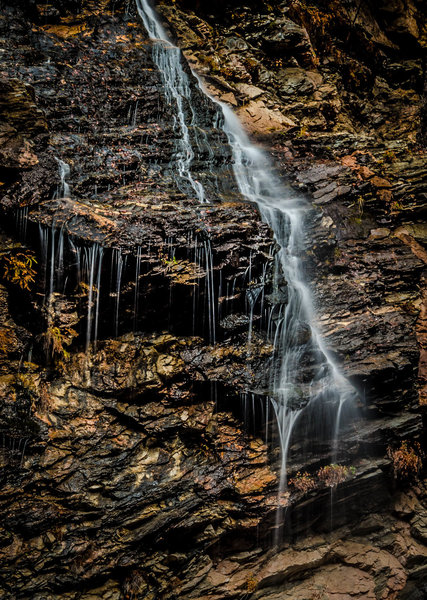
point(167, 58)
point(297, 340)
point(307, 386)
point(63, 189)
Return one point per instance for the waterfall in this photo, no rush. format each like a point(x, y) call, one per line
point(167, 58)
point(297, 339)
point(63, 189)
point(308, 384)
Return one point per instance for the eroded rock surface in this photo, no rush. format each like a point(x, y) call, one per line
point(139, 452)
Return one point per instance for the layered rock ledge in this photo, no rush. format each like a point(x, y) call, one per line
point(139, 448)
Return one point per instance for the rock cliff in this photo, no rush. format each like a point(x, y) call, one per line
point(139, 447)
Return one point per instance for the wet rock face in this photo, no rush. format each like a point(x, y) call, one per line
point(139, 451)
point(364, 62)
point(131, 431)
point(22, 122)
point(342, 145)
point(133, 454)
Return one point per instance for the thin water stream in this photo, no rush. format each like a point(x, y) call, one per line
point(63, 189)
point(167, 58)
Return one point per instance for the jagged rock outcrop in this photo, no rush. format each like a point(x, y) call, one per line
point(134, 407)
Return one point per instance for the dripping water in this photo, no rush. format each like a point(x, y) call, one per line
point(93, 260)
point(210, 290)
point(293, 398)
point(119, 263)
point(136, 297)
point(100, 251)
point(21, 221)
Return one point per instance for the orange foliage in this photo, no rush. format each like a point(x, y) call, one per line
point(19, 269)
point(407, 461)
point(302, 482)
point(332, 475)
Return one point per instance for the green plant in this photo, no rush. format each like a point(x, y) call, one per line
point(407, 460)
point(302, 482)
point(396, 206)
point(171, 262)
point(85, 288)
point(26, 382)
point(332, 475)
point(318, 24)
point(19, 269)
point(213, 63)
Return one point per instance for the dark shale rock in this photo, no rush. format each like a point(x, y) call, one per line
point(283, 35)
point(131, 465)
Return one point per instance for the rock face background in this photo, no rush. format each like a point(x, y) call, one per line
point(132, 463)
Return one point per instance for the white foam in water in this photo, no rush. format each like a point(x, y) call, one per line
point(297, 339)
